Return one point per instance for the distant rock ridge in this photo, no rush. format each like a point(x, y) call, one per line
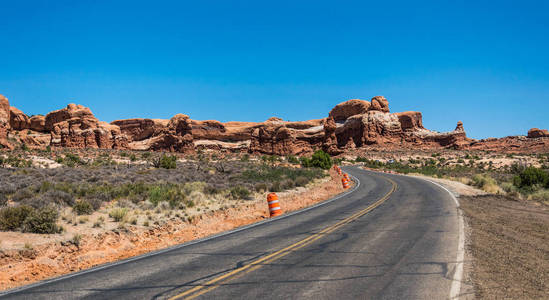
point(350, 125)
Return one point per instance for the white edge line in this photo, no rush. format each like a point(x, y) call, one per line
point(458, 274)
point(183, 245)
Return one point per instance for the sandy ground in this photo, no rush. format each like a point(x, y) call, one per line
point(509, 244)
point(54, 255)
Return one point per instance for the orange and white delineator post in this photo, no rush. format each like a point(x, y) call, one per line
point(339, 170)
point(345, 183)
point(274, 205)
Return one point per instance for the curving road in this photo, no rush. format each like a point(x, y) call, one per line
point(391, 237)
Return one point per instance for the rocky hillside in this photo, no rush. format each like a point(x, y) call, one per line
point(349, 125)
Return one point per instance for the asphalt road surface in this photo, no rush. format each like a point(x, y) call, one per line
point(391, 237)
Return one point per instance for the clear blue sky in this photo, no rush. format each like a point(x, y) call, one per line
point(483, 62)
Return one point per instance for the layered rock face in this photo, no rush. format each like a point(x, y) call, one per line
point(76, 127)
point(4, 121)
point(538, 133)
point(351, 124)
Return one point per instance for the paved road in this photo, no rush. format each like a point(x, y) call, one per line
point(393, 237)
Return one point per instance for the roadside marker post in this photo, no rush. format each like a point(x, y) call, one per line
point(274, 205)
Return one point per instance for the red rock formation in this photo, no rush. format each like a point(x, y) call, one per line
point(537, 133)
point(380, 103)
point(176, 137)
point(410, 120)
point(4, 121)
point(38, 123)
point(373, 127)
point(18, 120)
point(346, 109)
point(76, 127)
point(329, 143)
point(137, 129)
point(351, 124)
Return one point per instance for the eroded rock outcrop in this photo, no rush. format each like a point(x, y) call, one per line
point(538, 133)
point(18, 120)
point(38, 123)
point(76, 127)
point(351, 124)
point(4, 121)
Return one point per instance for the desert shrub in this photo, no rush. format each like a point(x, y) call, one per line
point(276, 187)
point(165, 162)
point(118, 213)
point(3, 200)
point(42, 221)
point(57, 197)
point(22, 194)
point(82, 207)
point(239, 192)
point(287, 184)
point(301, 181)
point(76, 239)
point(189, 187)
point(245, 158)
point(72, 160)
point(211, 190)
point(292, 159)
point(541, 195)
point(133, 157)
point(260, 187)
point(486, 183)
point(95, 202)
point(531, 177)
point(11, 218)
point(170, 193)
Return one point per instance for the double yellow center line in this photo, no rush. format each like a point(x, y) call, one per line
point(254, 265)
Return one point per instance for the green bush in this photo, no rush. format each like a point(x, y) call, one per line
point(11, 218)
point(118, 214)
point(42, 221)
point(530, 177)
point(239, 192)
point(320, 159)
point(167, 162)
point(170, 193)
point(293, 160)
point(82, 207)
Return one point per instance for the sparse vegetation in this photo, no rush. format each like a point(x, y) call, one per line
point(118, 214)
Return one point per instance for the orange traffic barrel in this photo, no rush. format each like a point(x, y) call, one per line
point(339, 170)
point(274, 205)
point(345, 183)
point(346, 176)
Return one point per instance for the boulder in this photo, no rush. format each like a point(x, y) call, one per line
point(537, 133)
point(344, 110)
point(38, 123)
point(18, 120)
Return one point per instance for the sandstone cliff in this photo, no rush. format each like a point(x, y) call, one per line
point(351, 124)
